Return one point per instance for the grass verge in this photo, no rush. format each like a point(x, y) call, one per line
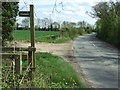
point(54, 72)
point(51, 72)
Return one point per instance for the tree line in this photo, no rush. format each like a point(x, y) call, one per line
point(108, 23)
point(44, 24)
point(47, 24)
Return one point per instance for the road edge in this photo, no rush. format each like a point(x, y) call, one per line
point(75, 64)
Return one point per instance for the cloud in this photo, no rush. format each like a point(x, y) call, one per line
point(74, 10)
point(68, 12)
point(37, 2)
point(45, 13)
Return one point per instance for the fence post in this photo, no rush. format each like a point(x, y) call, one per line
point(30, 62)
point(17, 65)
point(21, 58)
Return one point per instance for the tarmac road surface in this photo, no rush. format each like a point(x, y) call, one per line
point(98, 60)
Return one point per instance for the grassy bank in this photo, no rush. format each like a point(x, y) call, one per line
point(51, 72)
point(54, 72)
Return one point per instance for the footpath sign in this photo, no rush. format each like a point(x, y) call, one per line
point(24, 13)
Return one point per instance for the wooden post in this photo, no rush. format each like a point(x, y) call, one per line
point(32, 25)
point(17, 65)
point(32, 36)
point(20, 62)
point(30, 62)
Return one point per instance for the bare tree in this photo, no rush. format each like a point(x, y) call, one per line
point(25, 22)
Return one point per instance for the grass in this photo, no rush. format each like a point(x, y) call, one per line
point(51, 72)
point(49, 36)
point(54, 72)
point(40, 36)
point(64, 39)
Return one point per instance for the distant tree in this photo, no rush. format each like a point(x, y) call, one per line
point(65, 23)
point(17, 25)
point(51, 27)
point(45, 22)
point(82, 24)
point(56, 25)
point(64, 26)
point(38, 21)
point(26, 22)
point(72, 24)
point(9, 13)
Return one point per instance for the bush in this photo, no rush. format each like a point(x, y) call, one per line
point(108, 25)
point(73, 32)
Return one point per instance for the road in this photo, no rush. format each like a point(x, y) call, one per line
point(98, 60)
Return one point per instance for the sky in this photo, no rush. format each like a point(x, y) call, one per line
point(66, 10)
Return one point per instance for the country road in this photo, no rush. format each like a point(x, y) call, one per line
point(98, 60)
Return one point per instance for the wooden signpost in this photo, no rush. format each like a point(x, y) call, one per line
point(31, 49)
point(20, 57)
point(32, 34)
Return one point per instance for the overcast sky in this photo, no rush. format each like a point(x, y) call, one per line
point(73, 10)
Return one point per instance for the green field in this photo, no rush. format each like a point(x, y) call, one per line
point(40, 36)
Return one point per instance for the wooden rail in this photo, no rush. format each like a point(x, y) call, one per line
point(12, 56)
point(18, 60)
point(7, 49)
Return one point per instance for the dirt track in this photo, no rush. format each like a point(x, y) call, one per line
point(55, 49)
